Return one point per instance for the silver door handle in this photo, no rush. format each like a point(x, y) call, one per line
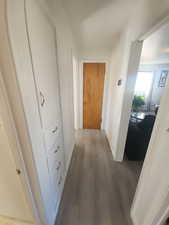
point(58, 167)
point(42, 99)
point(56, 151)
point(54, 131)
point(60, 180)
point(58, 147)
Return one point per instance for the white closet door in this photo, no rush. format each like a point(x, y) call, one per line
point(13, 202)
point(42, 42)
point(41, 34)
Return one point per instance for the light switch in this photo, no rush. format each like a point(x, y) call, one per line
point(119, 83)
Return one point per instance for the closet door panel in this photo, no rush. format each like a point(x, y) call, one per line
point(55, 153)
point(41, 35)
point(43, 48)
point(52, 134)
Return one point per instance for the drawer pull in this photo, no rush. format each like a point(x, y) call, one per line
point(58, 147)
point(60, 180)
point(54, 131)
point(58, 167)
point(56, 151)
point(42, 99)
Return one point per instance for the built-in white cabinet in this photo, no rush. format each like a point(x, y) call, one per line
point(33, 44)
point(42, 43)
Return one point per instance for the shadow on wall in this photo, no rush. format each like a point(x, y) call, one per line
point(85, 9)
point(147, 14)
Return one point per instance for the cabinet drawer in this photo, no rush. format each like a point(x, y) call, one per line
point(51, 135)
point(56, 163)
point(57, 175)
point(58, 182)
point(55, 154)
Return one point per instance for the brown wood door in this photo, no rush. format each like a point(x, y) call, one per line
point(93, 85)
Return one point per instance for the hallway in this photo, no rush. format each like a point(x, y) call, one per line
point(98, 191)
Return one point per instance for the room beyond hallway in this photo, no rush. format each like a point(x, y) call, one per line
point(98, 190)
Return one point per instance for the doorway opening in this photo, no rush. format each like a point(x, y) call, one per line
point(145, 105)
point(150, 83)
point(93, 88)
point(148, 93)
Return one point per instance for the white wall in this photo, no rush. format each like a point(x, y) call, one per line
point(115, 93)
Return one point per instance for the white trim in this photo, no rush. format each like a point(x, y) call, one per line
point(157, 26)
point(155, 62)
point(107, 62)
point(81, 95)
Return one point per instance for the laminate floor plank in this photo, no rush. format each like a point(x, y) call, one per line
point(98, 190)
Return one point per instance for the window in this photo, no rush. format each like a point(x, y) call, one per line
point(144, 84)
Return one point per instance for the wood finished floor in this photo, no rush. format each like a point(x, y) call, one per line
point(98, 191)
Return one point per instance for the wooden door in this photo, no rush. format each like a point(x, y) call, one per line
point(93, 85)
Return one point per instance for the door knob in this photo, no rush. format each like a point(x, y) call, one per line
point(18, 171)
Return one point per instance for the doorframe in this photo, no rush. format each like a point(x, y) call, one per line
point(80, 91)
point(120, 150)
point(164, 211)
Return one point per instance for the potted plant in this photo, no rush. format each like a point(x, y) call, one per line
point(138, 101)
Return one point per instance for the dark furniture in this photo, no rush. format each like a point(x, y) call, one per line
point(138, 138)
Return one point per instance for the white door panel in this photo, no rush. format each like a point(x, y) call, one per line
point(51, 135)
point(43, 48)
point(13, 202)
point(153, 189)
point(41, 34)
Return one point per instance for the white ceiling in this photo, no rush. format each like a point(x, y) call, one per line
point(156, 47)
point(97, 24)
